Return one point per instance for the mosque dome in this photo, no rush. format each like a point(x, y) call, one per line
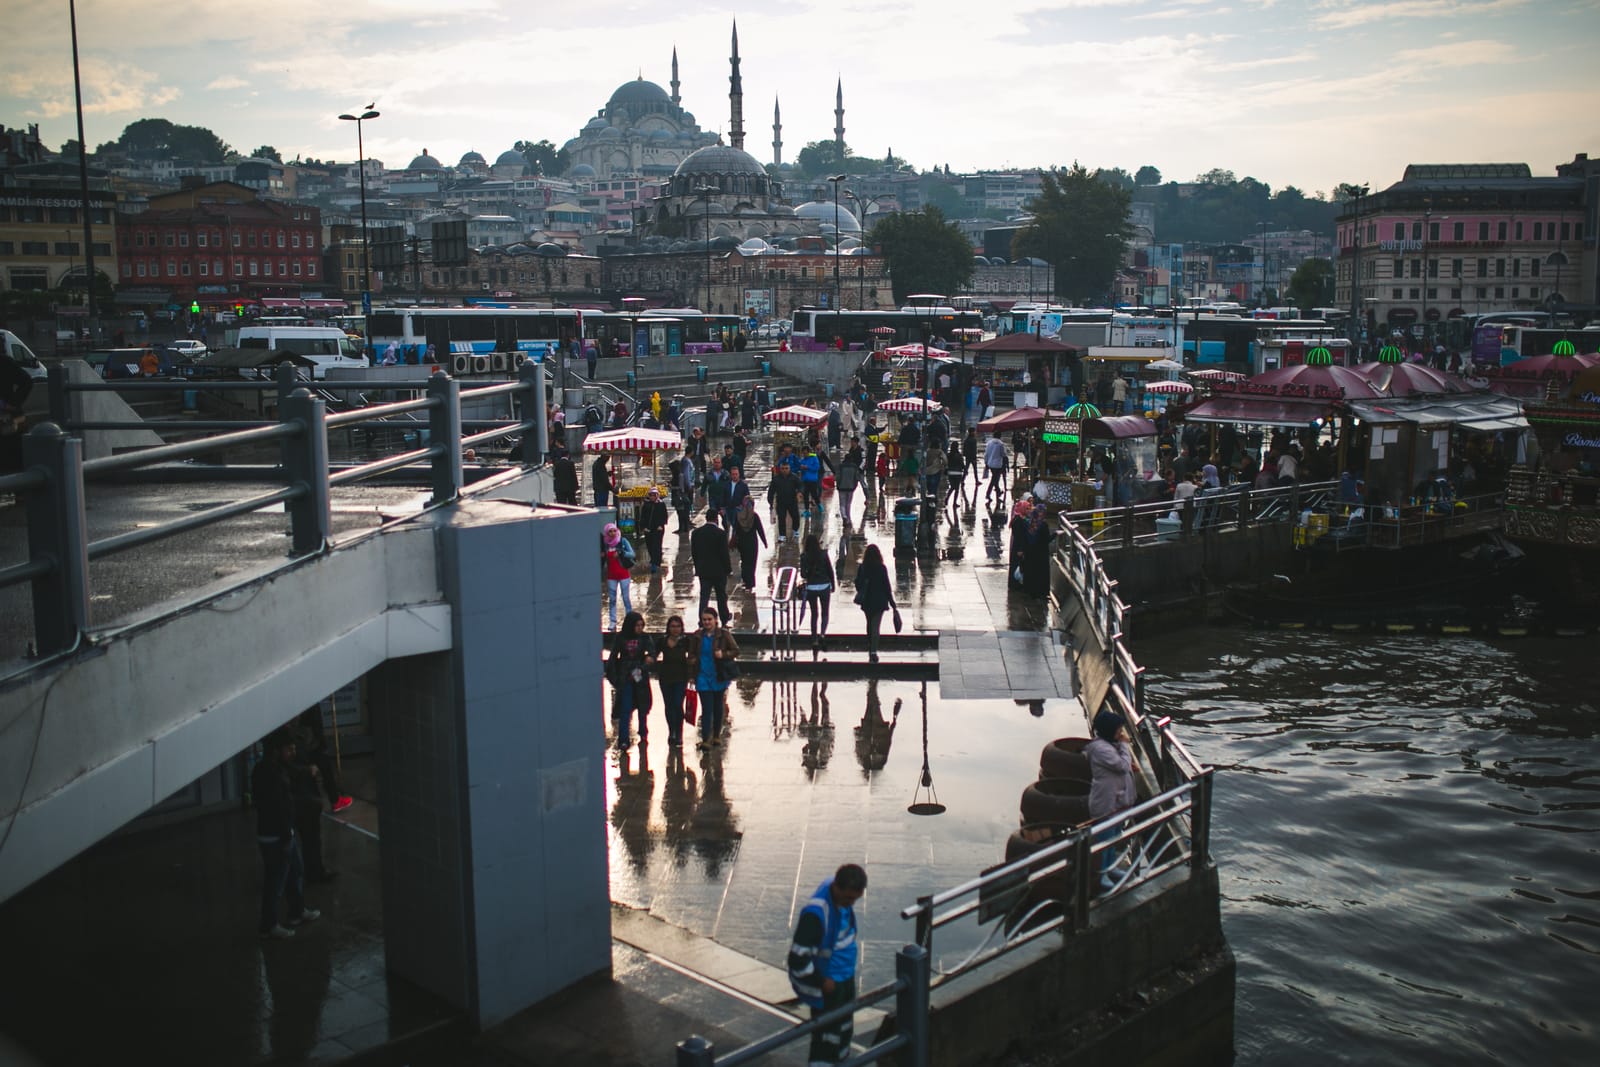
point(611, 133)
point(719, 159)
point(511, 158)
point(581, 170)
point(821, 211)
point(638, 92)
point(550, 249)
point(472, 157)
point(425, 162)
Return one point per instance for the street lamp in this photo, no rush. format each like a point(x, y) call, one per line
point(934, 300)
point(366, 258)
point(836, 179)
point(705, 192)
point(634, 304)
point(863, 203)
point(1261, 298)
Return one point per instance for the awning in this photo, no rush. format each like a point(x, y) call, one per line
point(324, 304)
point(633, 439)
point(282, 303)
point(1128, 354)
point(1480, 412)
point(1255, 411)
point(1118, 427)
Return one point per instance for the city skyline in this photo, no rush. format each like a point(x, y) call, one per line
point(1184, 85)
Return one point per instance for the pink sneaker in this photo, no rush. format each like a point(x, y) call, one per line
point(342, 803)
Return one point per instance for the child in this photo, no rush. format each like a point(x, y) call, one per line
point(883, 466)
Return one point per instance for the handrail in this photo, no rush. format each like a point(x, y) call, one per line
point(785, 583)
point(52, 483)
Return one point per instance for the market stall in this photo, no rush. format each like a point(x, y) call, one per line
point(642, 443)
point(1060, 459)
point(1124, 449)
point(1026, 370)
point(791, 423)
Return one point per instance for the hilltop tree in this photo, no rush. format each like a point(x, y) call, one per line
point(161, 139)
point(1080, 224)
point(1115, 176)
point(820, 158)
point(545, 158)
point(1147, 175)
point(1312, 284)
point(266, 151)
point(926, 253)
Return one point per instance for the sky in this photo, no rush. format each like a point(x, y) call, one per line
point(1308, 93)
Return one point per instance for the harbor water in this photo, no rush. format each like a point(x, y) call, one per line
point(1406, 830)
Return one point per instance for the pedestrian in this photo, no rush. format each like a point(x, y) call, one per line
point(816, 571)
point(985, 401)
point(994, 459)
point(591, 355)
point(682, 474)
point(616, 563)
point(602, 481)
point(564, 476)
point(1016, 528)
point(848, 480)
point(933, 477)
point(674, 668)
point(835, 426)
point(305, 789)
point(708, 548)
point(785, 493)
point(744, 532)
point(651, 522)
point(1119, 394)
point(875, 595)
point(956, 468)
point(1111, 789)
point(628, 670)
point(822, 959)
point(1036, 539)
point(811, 483)
point(282, 865)
point(715, 670)
point(738, 494)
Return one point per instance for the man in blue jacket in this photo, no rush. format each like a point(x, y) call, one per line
point(822, 959)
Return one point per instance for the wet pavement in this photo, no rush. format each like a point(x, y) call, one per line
point(711, 854)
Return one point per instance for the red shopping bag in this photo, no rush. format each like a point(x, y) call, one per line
point(691, 706)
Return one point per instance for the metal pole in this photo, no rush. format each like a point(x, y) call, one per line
point(57, 536)
point(305, 463)
point(83, 182)
point(444, 433)
point(535, 446)
point(913, 967)
point(366, 256)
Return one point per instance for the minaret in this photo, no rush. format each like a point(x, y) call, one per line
point(838, 119)
point(676, 99)
point(736, 96)
point(777, 135)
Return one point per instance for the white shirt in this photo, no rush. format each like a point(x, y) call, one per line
point(1287, 465)
point(994, 453)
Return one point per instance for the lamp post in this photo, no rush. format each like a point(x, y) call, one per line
point(933, 300)
point(72, 261)
point(1261, 298)
point(93, 322)
point(705, 192)
point(863, 203)
point(634, 304)
point(836, 179)
point(366, 257)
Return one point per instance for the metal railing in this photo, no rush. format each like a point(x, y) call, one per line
point(51, 484)
point(1428, 523)
point(785, 586)
point(1234, 507)
point(909, 1045)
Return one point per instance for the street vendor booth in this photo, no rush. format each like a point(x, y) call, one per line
point(1415, 449)
point(1125, 448)
point(789, 425)
point(643, 443)
point(1565, 474)
point(1060, 458)
point(1026, 370)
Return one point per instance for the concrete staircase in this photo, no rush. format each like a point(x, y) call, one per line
point(678, 376)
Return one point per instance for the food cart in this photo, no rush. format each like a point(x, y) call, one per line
point(1133, 474)
point(641, 442)
point(790, 424)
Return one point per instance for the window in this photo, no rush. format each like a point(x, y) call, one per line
point(250, 238)
point(141, 270)
point(266, 267)
point(1483, 292)
point(1483, 268)
point(1433, 268)
point(1459, 231)
point(1519, 231)
point(1500, 232)
point(66, 248)
point(63, 214)
point(29, 214)
point(253, 268)
point(183, 240)
point(1433, 294)
point(1416, 268)
point(238, 267)
point(1416, 230)
point(1415, 293)
point(236, 240)
point(311, 269)
point(1399, 231)
point(1455, 268)
point(1515, 292)
point(294, 239)
point(297, 268)
point(350, 259)
point(1533, 294)
point(1399, 294)
point(1433, 232)
point(1499, 268)
point(1499, 292)
point(171, 239)
point(1533, 267)
point(36, 248)
point(127, 269)
point(1538, 231)
point(1455, 294)
point(172, 268)
point(1566, 228)
point(216, 267)
point(1399, 269)
point(1483, 231)
point(186, 268)
point(1516, 268)
point(205, 268)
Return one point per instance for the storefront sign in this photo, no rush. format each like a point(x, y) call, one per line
point(1285, 391)
point(1577, 440)
point(1401, 246)
point(1062, 431)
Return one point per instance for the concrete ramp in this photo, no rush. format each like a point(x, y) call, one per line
point(92, 739)
point(104, 407)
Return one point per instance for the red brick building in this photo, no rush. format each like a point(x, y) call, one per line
point(220, 245)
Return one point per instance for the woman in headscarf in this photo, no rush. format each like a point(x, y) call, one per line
point(835, 425)
point(1036, 539)
point(1209, 478)
point(1111, 788)
point(1017, 527)
point(632, 653)
point(745, 530)
point(616, 564)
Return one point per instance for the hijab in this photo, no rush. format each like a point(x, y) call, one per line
point(1209, 472)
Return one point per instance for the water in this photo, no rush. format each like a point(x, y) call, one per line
point(1407, 835)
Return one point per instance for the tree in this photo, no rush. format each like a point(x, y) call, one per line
point(1312, 285)
point(160, 139)
point(1115, 176)
point(1147, 175)
point(936, 192)
point(266, 151)
point(821, 158)
point(925, 252)
point(1080, 224)
point(544, 157)
point(1216, 176)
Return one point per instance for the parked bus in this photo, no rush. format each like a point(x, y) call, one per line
point(1520, 342)
point(816, 329)
point(463, 331)
point(1482, 332)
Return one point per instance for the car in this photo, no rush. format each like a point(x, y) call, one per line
point(187, 349)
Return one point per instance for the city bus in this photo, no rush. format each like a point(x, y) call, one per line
point(469, 331)
point(1482, 332)
point(1519, 342)
point(817, 329)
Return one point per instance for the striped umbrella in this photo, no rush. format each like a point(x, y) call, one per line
point(633, 439)
point(1173, 388)
point(796, 415)
point(1218, 375)
point(908, 405)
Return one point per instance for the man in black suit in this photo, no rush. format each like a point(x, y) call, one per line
point(708, 546)
point(564, 473)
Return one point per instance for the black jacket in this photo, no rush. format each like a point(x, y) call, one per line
point(708, 546)
point(564, 473)
point(273, 800)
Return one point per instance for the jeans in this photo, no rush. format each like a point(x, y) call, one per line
point(672, 694)
point(788, 518)
point(614, 588)
point(813, 494)
point(720, 587)
point(846, 497)
point(283, 874)
point(713, 705)
point(631, 696)
point(602, 496)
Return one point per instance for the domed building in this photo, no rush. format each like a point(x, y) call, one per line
point(474, 164)
point(722, 191)
point(510, 164)
point(641, 132)
point(424, 162)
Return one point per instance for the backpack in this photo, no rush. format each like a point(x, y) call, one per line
point(625, 553)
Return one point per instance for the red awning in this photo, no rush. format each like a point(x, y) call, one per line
point(1118, 427)
point(282, 303)
point(1257, 411)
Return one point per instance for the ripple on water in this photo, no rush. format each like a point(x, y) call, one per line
point(1406, 838)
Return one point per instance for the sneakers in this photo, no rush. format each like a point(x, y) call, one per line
point(277, 933)
point(342, 803)
point(310, 915)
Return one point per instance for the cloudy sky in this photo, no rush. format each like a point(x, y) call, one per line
point(1293, 92)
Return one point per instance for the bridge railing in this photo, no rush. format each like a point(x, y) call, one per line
point(51, 484)
point(1234, 507)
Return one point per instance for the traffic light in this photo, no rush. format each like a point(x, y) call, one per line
point(238, 310)
point(194, 308)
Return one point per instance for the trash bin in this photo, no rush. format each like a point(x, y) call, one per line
point(699, 370)
point(632, 381)
point(905, 526)
point(766, 368)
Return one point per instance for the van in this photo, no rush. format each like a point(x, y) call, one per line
point(22, 355)
point(325, 346)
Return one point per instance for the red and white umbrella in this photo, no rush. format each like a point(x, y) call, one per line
point(1173, 388)
point(1218, 375)
point(908, 405)
point(633, 439)
point(915, 350)
point(797, 415)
